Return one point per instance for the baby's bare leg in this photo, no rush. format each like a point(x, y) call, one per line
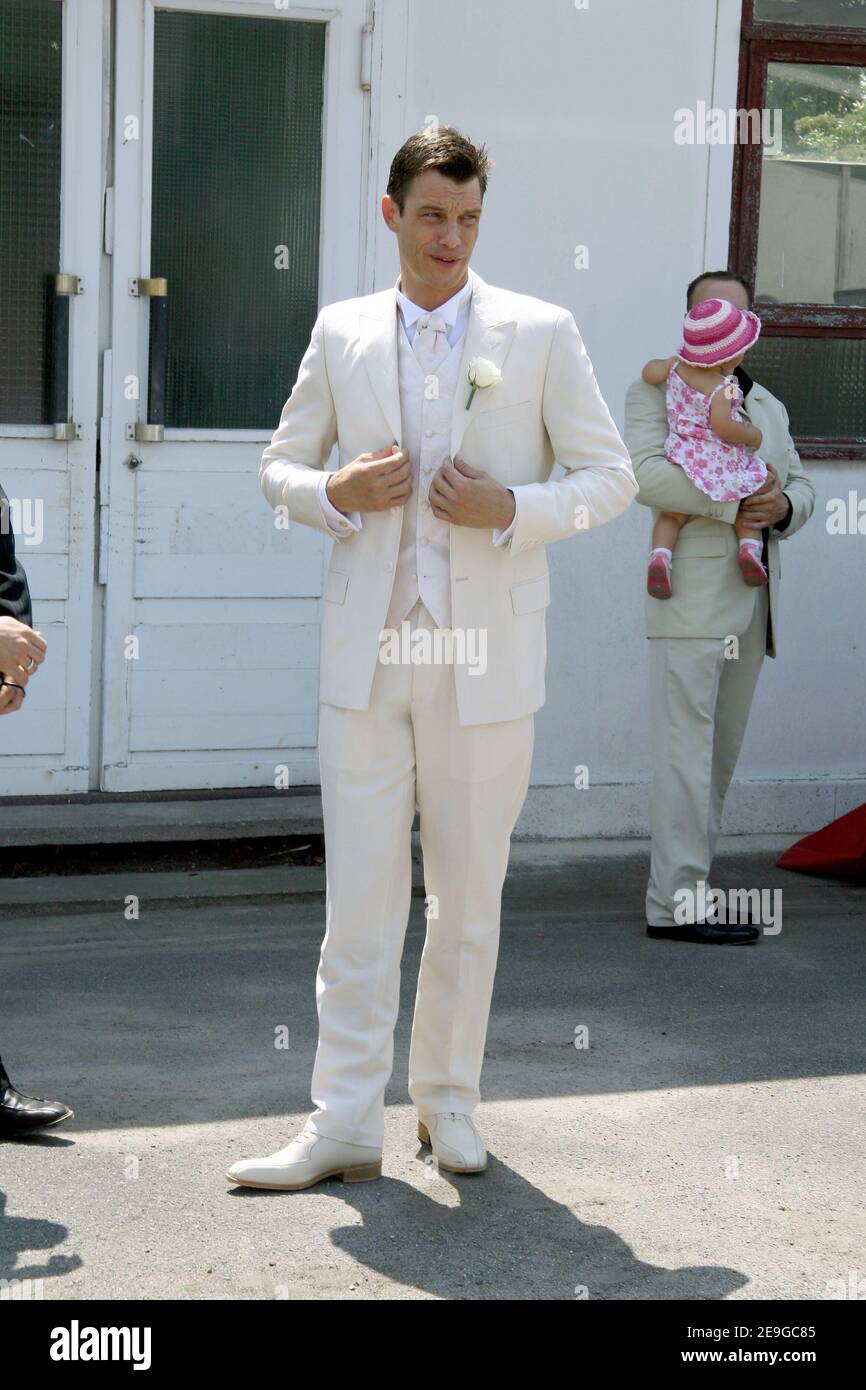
point(665, 532)
point(744, 531)
point(667, 529)
point(749, 554)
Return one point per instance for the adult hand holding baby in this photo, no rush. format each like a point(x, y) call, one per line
point(767, 504)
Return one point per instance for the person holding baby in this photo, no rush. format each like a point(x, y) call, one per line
point(714, 460)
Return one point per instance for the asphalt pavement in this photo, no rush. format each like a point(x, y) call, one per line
point(704, 1139)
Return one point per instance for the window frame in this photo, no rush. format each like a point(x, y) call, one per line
point(760, 44)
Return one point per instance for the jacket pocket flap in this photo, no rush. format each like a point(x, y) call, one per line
point(335, 586)
point(702, 545)
point(495, 416)
point(527, 595)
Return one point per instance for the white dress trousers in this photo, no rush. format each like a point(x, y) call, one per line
point(469, 783)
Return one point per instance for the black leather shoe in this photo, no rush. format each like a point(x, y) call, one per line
point(23, 1114)
point(730, 934)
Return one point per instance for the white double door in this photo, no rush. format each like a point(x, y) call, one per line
point(212, 197)
point(239, 169)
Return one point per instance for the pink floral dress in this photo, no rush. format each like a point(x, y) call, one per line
point(725, 472)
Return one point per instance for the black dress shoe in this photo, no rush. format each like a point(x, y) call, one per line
point(730, 934)
point(23, 1114)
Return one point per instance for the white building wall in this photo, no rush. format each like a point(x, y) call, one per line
point(577, 108)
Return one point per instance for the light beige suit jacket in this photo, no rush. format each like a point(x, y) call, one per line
point(547, 409)
point(710, 598)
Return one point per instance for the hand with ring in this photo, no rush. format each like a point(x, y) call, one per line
point(20, 646)
point(22, 651)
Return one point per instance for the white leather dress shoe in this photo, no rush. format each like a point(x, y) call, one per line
point(455, 1142)
point(306, 1161)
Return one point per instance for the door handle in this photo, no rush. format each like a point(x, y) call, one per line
point(155, 288)
point(65, 286)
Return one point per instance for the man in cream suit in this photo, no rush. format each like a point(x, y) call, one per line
point(701, 692)
point(440, 508)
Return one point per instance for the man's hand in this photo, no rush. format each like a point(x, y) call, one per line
point(767, 505)
point(22, 651)
point(372, 482)
point(20, 647)
point(12, 698)
point(467, 496)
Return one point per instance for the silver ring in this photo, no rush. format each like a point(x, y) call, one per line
point(31, 665)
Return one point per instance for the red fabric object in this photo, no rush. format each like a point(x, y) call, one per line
point(836, 851)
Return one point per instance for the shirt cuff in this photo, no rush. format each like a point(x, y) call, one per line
point(500, 537)
point(337, 524)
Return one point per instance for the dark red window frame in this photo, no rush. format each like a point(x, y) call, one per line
point(760, 44)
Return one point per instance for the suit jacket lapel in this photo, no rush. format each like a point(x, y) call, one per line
point(489, 334)
point(378, 333)
point(766, 420)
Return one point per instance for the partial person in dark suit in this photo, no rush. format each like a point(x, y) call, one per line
point(22, 651)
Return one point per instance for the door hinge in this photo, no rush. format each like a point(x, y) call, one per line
point(108, 222)
point(367, 58)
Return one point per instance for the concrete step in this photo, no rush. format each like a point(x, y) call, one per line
point(52, 893)
point(112, 890)
point(110, 822)
point(745, 858)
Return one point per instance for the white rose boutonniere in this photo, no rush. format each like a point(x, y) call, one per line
point(482, 374)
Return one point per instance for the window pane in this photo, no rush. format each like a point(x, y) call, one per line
point(237, 155)
point(30, 67)
point(820, 381)
point(812, 227)
point(848, 13)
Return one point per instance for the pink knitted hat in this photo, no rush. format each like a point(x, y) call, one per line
point(717, 330)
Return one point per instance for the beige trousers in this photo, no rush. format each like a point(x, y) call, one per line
point(469, 784)
point(700, 707)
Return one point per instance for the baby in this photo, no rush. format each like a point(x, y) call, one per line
point(707, 435)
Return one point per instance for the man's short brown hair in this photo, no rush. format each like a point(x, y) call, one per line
point(442, 148)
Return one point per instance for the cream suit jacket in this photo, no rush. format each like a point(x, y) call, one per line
point(710, 598)
point(547, 409)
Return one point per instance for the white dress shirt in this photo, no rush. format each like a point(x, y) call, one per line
point(455, 312)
